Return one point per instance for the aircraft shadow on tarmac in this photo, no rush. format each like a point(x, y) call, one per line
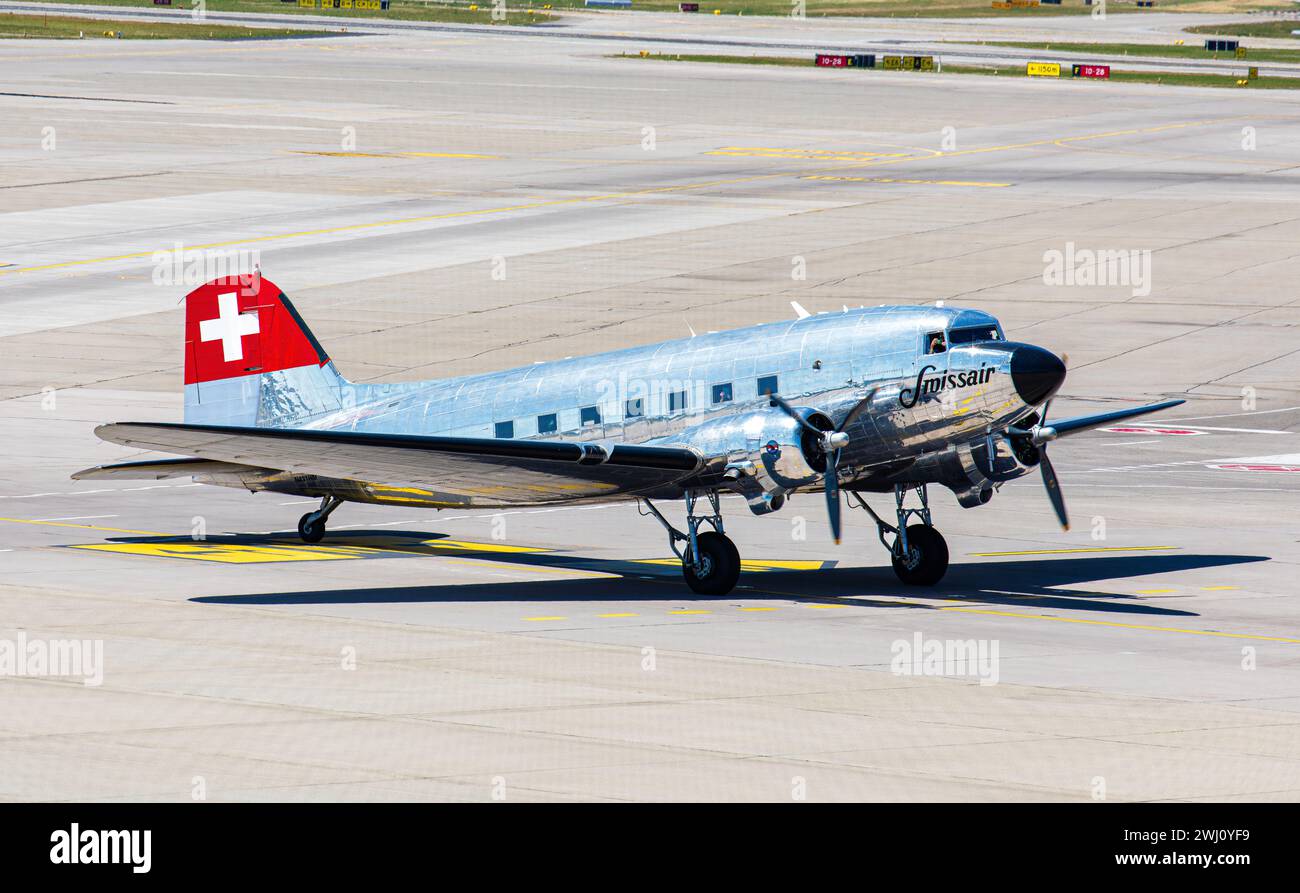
point(1027, 582)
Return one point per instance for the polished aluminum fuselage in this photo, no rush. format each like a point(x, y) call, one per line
point(929, 417)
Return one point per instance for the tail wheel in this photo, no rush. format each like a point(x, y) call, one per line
point(310, 528)
point(719, 565)
point(926, 560)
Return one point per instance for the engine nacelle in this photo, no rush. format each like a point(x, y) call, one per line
point(768, 453)
point(983, 466)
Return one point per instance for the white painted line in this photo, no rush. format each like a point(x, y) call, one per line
point(1239, 430)
point(1234, 415)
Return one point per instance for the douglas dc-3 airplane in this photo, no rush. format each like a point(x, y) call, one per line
point(877, 400)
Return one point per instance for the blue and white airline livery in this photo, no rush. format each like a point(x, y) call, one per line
point(876, 400)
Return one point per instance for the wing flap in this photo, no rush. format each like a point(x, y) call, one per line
point(159, 470)
point(458, 470)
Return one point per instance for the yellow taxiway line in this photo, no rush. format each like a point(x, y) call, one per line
point(1074, 551)
point(1117, 625)
point(86, 527)
point(612, 196)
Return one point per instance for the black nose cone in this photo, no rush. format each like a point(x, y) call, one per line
point(1036, 373)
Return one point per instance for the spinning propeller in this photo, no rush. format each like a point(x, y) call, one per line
point(831, 443)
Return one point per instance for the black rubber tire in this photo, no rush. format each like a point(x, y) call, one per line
point(309, 531)
point(722, 561)
point(930, 561)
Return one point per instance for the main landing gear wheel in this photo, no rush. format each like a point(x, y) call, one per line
point(926, 560)
point(718, 568)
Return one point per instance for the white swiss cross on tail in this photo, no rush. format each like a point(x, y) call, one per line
point(229, 327)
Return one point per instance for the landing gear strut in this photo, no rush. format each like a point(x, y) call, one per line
point(311, 526)
point(917, 551)
point(710, 561)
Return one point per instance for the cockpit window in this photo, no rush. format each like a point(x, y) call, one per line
point(934, 343)
point(973, 334)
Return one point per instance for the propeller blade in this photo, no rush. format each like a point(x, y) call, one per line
point(832, 483)
point(857, 410)
point(789, 410)
point(832, 443)
point(1053, 489)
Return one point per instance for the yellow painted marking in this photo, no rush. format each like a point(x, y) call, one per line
point(84, 526)
point(1154, 591)
point(758, 609)
point(690, 612)
point(757, 565)
point(226, 553)
point(541, 619)
point(780, 564)
point(1217, 588)
point(531, 568)
point(1074, 551)
point(284, 550)
point(358, 227)
point(466, 546)
point(1158, 629)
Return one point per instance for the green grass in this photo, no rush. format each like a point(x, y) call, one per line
point(13, 26)
point(1172, 78)
point(403, 10)
point(1280, 29)
point(1162, 51)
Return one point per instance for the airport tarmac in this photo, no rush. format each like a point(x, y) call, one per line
point(1150, 653)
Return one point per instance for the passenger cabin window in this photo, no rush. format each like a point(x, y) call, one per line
point(676, 401)
point(505, 429)
point(634, 409)
point(722, 393)
point(547, 424)
point(590, 416)
point(767, 385)
point(934, 343)
point(974, 334)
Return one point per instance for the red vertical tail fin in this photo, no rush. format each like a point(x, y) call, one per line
point(251, 360)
